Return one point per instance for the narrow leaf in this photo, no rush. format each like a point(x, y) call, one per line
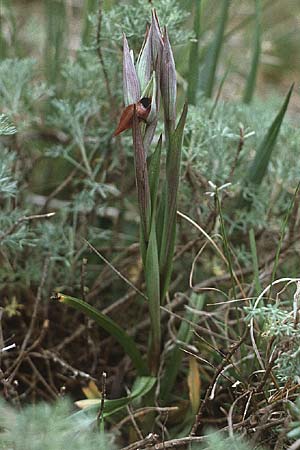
point(154, 171)
point(169, 205)
point(255, 265)
point(259, 166)
point(153, 293)
point(193, 71)
point(141, 387)
point(194, 384)
point(251, 80)
point(57, 29)
point(91, 391)
point(208, 73)
point(110, 326)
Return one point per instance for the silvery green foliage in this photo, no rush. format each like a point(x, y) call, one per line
point(48, 427)
point(130, 18)
point(210, 148)
point(8, 185)
point(277, 323)
point(217, 441)
point(15, 76)
point(6, 127)
point(18, 91)
point(294, 426)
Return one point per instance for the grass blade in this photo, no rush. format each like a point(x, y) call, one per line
point(257, 284)
point(110, 326)
point(282, 234)
point(251, 80)
point(56, 17)
point(193, 70)
point(226, 244)
point(208, 73)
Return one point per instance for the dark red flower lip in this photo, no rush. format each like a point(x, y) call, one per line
point(143, 107)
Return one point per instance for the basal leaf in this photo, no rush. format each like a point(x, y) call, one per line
point(110, 326)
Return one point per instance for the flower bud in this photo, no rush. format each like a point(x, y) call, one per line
point(144, 63)
point(131, 85)
point(168, 82)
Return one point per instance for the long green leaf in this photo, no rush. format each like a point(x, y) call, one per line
point(169, 202)
point(152, 265)
point(153, 173)
point(208, 73)
point(193, 70)
point(141, 387)
point(259, 166)
point(251, 80)
point(110, 326)
point(153, 293)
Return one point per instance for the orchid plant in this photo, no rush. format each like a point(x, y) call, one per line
point(151, 78)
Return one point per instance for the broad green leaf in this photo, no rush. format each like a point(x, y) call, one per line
point(110, 326)
point(251, 80)
point(210, 64)
point(141, 387)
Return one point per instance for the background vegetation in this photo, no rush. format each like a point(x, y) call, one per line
point(69, 223)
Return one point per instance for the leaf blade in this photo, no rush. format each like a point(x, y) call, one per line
point(108, 325)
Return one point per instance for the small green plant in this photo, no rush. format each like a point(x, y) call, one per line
point(154, 74)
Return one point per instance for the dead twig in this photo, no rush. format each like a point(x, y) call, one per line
point(23, 219)
point(150, 439)
point(143, 411)
point(103, 396)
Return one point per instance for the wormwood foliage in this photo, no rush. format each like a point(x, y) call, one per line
point(48, 427)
